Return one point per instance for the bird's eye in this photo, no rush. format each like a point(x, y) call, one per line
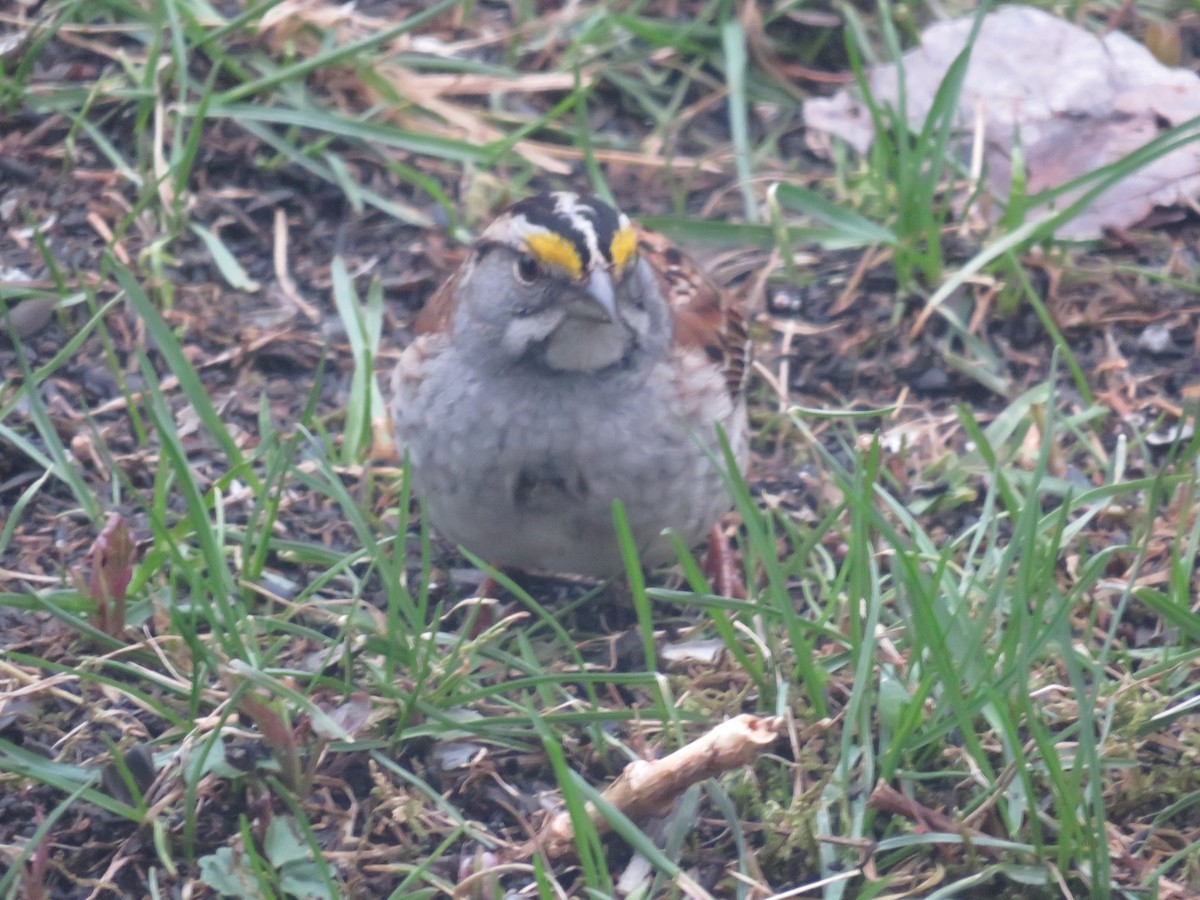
point(526, 268)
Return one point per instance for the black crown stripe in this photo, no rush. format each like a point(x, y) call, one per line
point(582, 217)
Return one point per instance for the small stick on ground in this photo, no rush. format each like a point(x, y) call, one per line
point(647, 787)
point(889, 800)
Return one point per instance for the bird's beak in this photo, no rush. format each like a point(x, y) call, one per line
point(601, 289)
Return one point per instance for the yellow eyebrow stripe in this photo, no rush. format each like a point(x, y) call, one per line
point(555, 251)
point(623, 248)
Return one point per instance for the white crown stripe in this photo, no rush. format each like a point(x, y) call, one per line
point(580, 216)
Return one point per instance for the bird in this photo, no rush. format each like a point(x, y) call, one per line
point(574, 359)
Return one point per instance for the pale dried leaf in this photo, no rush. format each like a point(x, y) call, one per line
point(1075, 102)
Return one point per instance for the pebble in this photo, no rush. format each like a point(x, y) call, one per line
point(1155, 339)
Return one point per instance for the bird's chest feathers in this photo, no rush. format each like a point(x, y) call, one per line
point(549, 486)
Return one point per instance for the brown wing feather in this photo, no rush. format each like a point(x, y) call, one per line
point(705, 318)
point(438, 312)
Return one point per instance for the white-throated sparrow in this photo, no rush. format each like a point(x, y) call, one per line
point(572, 360)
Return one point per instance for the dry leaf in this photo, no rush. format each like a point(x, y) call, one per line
point(109, 573)
point(1074, 101)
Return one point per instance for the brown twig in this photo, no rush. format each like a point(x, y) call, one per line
point(647, 787)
